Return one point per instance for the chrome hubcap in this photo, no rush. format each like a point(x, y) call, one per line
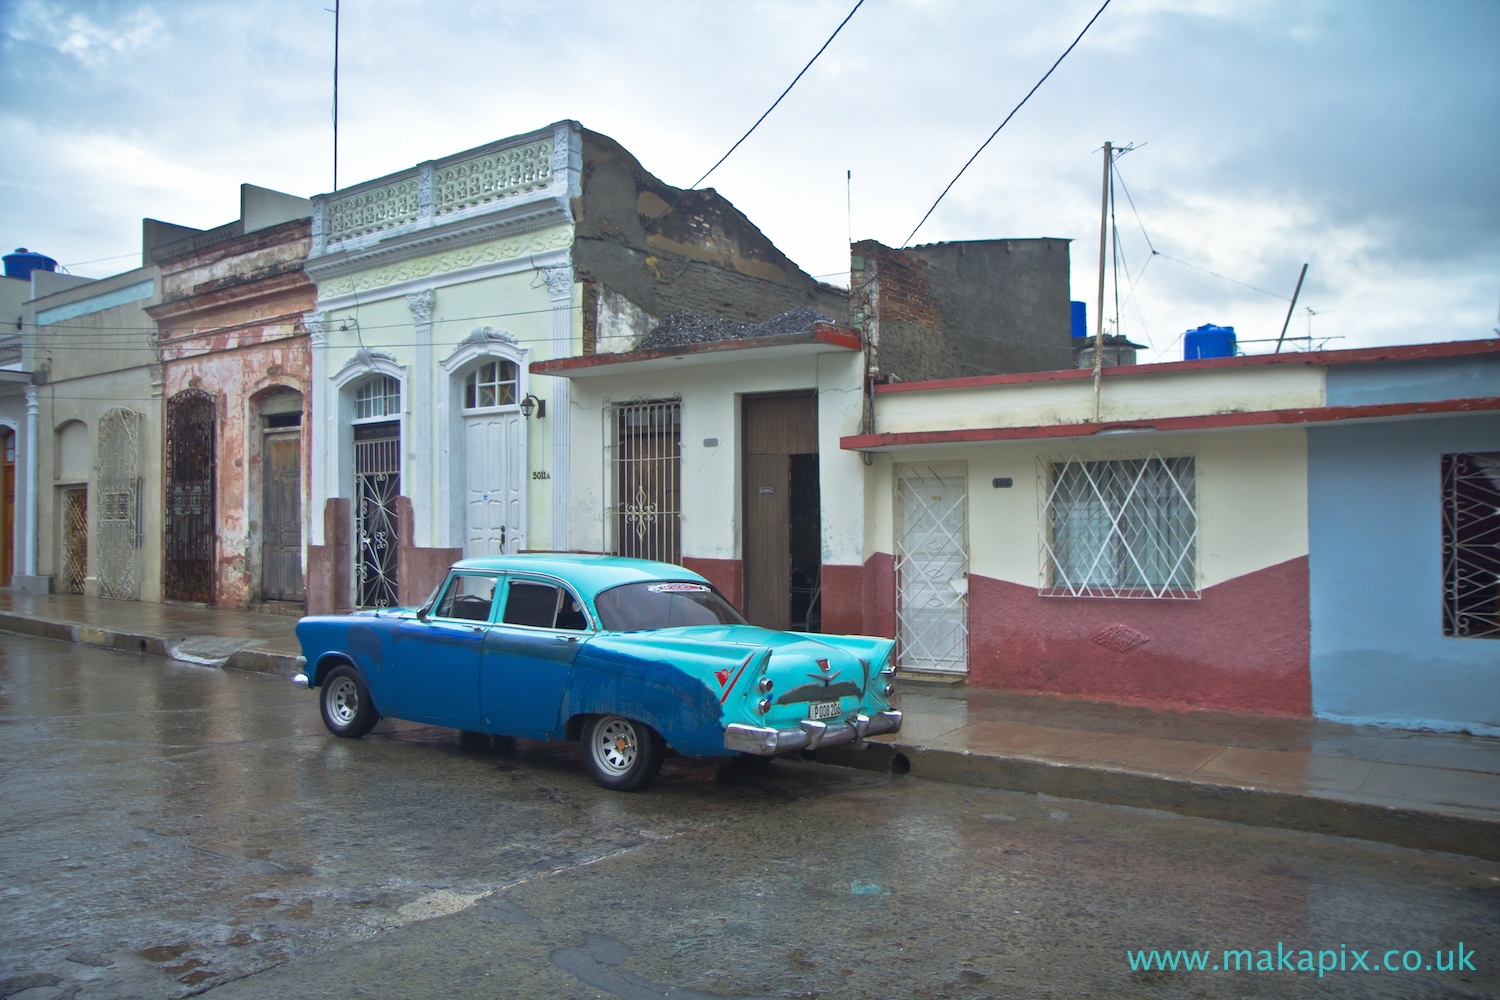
point(615, 745)
point(343, 701)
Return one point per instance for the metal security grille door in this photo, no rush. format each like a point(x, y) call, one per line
point(189, 521)
point(119, 504)
point(645, 472)
point(932, 567)
point(75, 539)
point(1471, 545)
point(377, 484)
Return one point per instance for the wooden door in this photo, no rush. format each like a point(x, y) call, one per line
point(8, 508)
point(494, 484)
point(768, 550)
point(281, 540)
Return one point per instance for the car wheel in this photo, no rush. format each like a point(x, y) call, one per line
point(347, 709)
point(622, 754)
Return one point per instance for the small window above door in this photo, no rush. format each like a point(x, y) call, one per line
point(491, 385)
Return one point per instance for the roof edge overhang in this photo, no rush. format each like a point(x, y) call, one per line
point(1353, 356)
point(823, 338)
point(1208, 421)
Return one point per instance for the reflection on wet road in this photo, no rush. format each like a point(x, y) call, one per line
point(168, 830)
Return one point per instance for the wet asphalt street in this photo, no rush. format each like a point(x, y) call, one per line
point(169, 831)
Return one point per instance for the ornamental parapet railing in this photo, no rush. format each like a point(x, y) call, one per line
point(419, 197)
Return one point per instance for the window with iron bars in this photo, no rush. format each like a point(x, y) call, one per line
point(644, 472)
point(1471, 545)
point(1119, 528)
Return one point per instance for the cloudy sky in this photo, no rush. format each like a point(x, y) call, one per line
point(1360, 136)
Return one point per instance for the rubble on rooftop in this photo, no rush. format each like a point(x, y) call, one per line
point(688, 326)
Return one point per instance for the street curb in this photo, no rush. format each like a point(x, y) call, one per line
point(1247, 805)
point(254, 660)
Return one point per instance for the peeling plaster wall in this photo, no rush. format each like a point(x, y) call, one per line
point(231, 325)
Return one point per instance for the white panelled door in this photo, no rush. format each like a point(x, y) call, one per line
point(494, 513)
point(932, 567)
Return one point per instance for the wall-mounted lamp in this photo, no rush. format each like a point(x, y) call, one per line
point(531, 403)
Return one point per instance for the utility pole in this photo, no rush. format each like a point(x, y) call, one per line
point(336, 94)
point(1099, 314)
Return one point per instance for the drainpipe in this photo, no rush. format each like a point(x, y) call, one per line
point(31, 473)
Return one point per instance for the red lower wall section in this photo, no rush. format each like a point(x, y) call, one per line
point(1244, 647)
point(419, 570)
point(843, 601)
point(726, 574)
point(879, 595)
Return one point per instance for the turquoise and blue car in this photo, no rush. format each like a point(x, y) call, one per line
point(629, 656)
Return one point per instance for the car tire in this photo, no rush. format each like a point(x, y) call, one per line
point(621, 754)
point(347, 708)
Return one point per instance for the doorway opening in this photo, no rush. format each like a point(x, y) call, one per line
point(782, 543)
point(189, 521)
point(281, 506)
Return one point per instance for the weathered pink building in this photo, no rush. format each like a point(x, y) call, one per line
point(236, 383)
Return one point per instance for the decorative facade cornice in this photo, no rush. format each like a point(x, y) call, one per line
point(368, 360)
point(484, 341)
point(455, 260)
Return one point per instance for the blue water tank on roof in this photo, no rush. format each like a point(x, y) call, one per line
point(1080, 319)
point(22, 262)
point(1208, 341)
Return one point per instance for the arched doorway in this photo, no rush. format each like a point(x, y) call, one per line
point(377, 485)
point(189, 522)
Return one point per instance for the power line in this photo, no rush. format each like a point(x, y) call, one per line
point(1008, 117)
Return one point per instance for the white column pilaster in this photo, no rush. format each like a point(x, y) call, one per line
point(560, 408)
point(319, 489)
point(31, 474)
point(418, 444)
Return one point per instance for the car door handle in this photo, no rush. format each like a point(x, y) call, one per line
point(566, 638)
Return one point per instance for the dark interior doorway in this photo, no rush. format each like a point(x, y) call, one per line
point(782, 543)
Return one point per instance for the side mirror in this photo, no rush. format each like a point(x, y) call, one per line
point(423, 612)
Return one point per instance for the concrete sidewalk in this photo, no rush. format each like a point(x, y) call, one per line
point(1438, 791)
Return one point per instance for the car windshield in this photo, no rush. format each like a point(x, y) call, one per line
point(668, 604)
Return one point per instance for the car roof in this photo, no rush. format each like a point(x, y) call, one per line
point(589, 573)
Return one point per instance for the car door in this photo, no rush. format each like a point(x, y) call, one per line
point(438, 679)
point(528, 654)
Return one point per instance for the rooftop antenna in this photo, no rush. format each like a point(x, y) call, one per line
point(1291, 309)
point(849, 202)
point(335, 93)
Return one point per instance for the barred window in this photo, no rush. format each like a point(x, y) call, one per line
point(645, 521)
point(1471, 545)
point(491, 384)
point(377, 399)
point(1120, 528)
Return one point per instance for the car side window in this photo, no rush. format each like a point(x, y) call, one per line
point(543, 605)
point(468, 598)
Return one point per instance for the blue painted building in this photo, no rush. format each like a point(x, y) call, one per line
point(1403, 613)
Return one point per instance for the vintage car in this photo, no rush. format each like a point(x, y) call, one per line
point(627, 655)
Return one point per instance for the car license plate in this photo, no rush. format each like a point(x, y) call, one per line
point(823, 710)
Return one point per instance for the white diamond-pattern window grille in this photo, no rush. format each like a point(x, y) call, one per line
point(643, 467)
point(1122, 527)
point(932, 567)
point(1471, 545)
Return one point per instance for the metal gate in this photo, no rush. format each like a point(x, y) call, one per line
point(119, 505)
point(377, 484)
point(189, 520)
point(75, 554)
point(644, 470)
point(932, 567)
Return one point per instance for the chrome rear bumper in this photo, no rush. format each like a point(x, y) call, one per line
point(809, 735)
